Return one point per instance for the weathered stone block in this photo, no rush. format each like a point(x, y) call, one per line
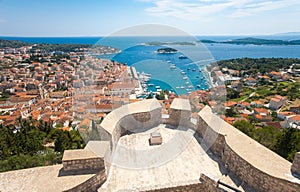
point(296, 164)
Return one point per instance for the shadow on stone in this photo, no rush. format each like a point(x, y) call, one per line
point(222, 167)
point(295, 175)
point(63, 173)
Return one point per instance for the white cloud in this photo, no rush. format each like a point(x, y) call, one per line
point(203, 9)
point(262, 6)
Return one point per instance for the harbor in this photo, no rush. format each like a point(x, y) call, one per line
point(175, 72)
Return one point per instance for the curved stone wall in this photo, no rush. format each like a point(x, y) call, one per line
point(133, 117)
point(256, 165)
point(91, 184)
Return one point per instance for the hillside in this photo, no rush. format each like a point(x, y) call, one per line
point(12, 43)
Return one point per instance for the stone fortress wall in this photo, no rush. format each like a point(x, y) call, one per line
point(254, 164)
point(89, 159)
point(92, 184)
point(134, 117)
point(296, 164)
point(204, 184)
point(145, 114)
point(259, 167)
point(138, 116)
point(180, 113)
point(78, 160)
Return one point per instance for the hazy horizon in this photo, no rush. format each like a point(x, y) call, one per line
point(101, 18)
point(196, 35)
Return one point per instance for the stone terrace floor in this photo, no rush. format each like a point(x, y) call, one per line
point(48, 179)
point(178, 161)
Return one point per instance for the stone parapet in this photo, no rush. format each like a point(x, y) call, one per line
point(254, 164)
point(203, 184)
point(133, 117)
point(180, 112)
point(91, 184)
point(78, 160)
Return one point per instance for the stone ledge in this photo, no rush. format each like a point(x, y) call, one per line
point(78, 154)
point(92, 184)
point(99, 148)
point(181, 104)
point(82, 160)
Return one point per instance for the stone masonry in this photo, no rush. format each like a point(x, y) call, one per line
point(77, 160)
point(91, 184)
point(205, 184)
point(243, 156)
point(180, 112)
point(296, 164)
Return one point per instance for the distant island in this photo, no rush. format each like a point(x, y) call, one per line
point(166, 50)
point(288, 33)
point(156, 43)
point(99, 49)
point(255, 41)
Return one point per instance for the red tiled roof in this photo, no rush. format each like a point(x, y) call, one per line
point(230, 103)
point(261, 110)
point(244, 103)
point(296, 118)
point(275, 100)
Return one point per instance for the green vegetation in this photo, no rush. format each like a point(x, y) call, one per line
point(27, 161)
point(44, 47)
point(161, 95)
point(60, 47)
point(12, 43)
point(26, 147)
point(255, 41)
point(4, 96)
point(149, 96)
point(59, 57)
point(291, 90)
point(232, 94)
point(231, 113)
point(285, 142)
point(251, 66)
point(166, 50)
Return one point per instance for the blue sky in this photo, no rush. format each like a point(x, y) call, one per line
point(102, 17)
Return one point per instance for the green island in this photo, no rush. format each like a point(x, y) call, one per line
point(262, 80)
point(166, 50)
point(45, 47)
point(254, 41)
point(157, 43)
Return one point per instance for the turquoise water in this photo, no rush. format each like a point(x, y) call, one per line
point(185, 76)
point(144, 58)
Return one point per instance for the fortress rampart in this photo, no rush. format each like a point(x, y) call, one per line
point(138, 116)
point(254, 164)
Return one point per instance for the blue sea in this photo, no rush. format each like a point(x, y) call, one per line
point(172, 71)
